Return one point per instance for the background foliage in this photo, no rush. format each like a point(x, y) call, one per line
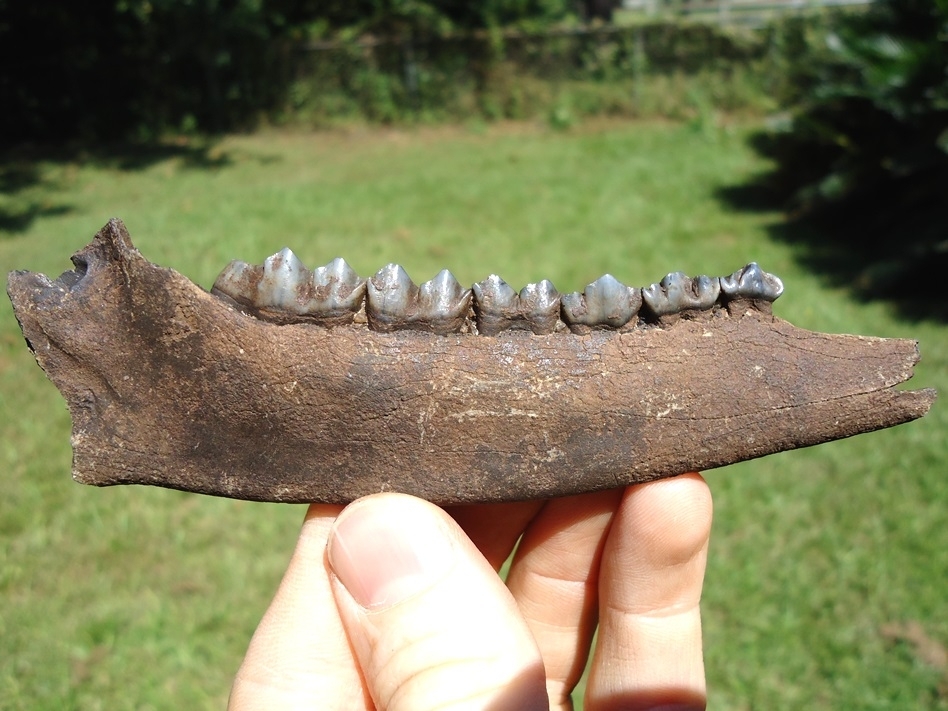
point(826, 585)
point(140, 69)
point(826, 582)
point(864, 149)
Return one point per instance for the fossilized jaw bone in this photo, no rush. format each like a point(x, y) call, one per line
point(284, 291)
point(172, 386)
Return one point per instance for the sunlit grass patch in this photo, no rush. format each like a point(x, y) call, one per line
point(138, 598)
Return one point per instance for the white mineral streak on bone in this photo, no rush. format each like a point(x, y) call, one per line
point(510, 412)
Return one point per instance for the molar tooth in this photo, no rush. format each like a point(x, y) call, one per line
point(391, 298)
point(443, 304)
point(752, 282)
point(238, 281)
point(677, 292)
point(280, 285)
point(337, 292)
point(499, 308)
point(540, 306)
point(606, 302)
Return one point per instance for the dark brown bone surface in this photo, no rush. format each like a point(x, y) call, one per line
point(172, 386)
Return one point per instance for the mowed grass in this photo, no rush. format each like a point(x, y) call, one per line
point(138, 598)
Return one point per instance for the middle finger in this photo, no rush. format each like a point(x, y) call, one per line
point(554, 581)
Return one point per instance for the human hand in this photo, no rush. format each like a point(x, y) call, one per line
point(394, 604)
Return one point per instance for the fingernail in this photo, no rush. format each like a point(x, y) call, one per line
point(388, 550)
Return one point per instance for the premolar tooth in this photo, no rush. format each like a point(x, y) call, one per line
point(752, 282)
point(391, 298)
point(239, 280)
point(443, 304)
point(540, 306)
point(283, 281)
point(337, 292)
point(495, 305)
point(677, 292)
point(606, 302)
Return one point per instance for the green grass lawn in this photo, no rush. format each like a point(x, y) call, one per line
point(137, 598)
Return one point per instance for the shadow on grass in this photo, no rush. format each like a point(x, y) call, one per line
point(23, 173)
point(886, 241)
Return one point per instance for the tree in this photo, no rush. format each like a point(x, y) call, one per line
point(866, 151)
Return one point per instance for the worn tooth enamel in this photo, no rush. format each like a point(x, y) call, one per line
point(391, 297)
point(494, 295)
point(443, 304)
point(239, 280)
point(677, 292)
point(338, 291)
point(334, 294)
point(496, 305)
point(752, 282)
point(280, 285)
point(605, 303)
point(540, 306)
point(499, 308)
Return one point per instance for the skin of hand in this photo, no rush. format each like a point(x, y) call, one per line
point(394, 604)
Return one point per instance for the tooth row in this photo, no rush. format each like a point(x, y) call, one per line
point(284, 290)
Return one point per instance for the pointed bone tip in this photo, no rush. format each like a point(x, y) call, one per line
point(112, 243)
point(908, 405)
point(116, 232)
